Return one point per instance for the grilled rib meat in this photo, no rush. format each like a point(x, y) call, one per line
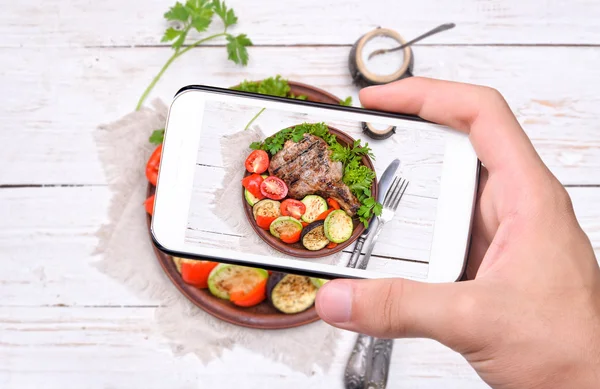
point(306, 167)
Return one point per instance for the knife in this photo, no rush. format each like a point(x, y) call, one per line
point(384, 184)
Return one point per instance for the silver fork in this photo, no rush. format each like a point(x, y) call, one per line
point(390, 204)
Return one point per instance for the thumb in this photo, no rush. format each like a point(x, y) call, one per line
point(395, 308)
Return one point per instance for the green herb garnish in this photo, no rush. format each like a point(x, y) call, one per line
point(347, 101)
point(197, 15)
point(357, 176)
point(157, 136)
point(272, 86)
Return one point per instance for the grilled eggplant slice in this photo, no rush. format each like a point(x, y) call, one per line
point(290, 293)
point(313, 236)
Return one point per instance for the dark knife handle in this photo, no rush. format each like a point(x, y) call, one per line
point(379, 367)
point(357, 250)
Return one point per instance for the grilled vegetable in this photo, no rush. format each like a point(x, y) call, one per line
point(265, 212)
point(149, 204)
point(257, 162)
point(290, 293)
point(287, 229)
point(324, 215)
point(274, 188)
point(250, 198)
point(333, 203)
point(313, 236)
point(293, 208)
point(318, 282)
point(338, 226)
point(196, 272)
point(226, 280)
point(249, 299)
point(153, 164)
point(315, 205)
point(252, 184)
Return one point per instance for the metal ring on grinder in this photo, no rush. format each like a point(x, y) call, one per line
point(358, 70)
point(363, 77)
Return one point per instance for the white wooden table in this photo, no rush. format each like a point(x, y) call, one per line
point(67, 66)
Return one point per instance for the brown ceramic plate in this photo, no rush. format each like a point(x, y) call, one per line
point(264, 315)
point(297, 249)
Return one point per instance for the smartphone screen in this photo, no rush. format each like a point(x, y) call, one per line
point(221, 217)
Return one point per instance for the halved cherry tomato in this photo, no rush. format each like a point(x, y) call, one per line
point(149, 204)
point(331, 245)
point(153, 164)
point(251, 298)
point(304, 224)
point(291, 237)
point(264, 222)
point(257, 162)
point(273, 188)
point(324, 215)
point(333, 203)
point(293, 208)
point(252, 183)
point(196, 272)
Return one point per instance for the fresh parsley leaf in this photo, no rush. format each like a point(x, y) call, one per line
point(157, 137)
point(201, 17)
point(170, 34)
point(178, 12)
point(236, 48)
point(274, 87)
point(347, 101)
point(227, 15)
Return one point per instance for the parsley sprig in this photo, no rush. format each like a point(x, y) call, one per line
point(197, 15)
point(357, 176)
point(273, 86)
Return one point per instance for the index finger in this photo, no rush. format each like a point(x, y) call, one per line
point(481, 112)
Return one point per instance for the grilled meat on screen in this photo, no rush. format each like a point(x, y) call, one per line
point(306, 167)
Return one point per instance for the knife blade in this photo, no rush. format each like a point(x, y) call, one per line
point(384, 184)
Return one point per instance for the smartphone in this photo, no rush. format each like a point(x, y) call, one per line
point(202, 210)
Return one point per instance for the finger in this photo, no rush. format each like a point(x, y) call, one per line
point(497, 137)
point(485, 224)
point(394, 308)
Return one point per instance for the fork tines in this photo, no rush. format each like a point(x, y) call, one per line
point(395, 193)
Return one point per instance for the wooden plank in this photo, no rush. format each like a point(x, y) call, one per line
point(79, 23)
point(116, 347)
point(51, 130)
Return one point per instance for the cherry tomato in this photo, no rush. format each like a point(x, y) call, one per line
point(331, 245)
point(251, 298)
point(257, 162)
point(293, 208)
point(196, 272)
point(253, 184)
point(149, 204)
point(153, 164)
point(274, 188)
point(264, 222)
point(292, 237)
point(333, 203)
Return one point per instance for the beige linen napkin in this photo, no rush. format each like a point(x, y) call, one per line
point(126, 254)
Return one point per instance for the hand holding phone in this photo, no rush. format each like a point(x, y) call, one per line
point(530, 315)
